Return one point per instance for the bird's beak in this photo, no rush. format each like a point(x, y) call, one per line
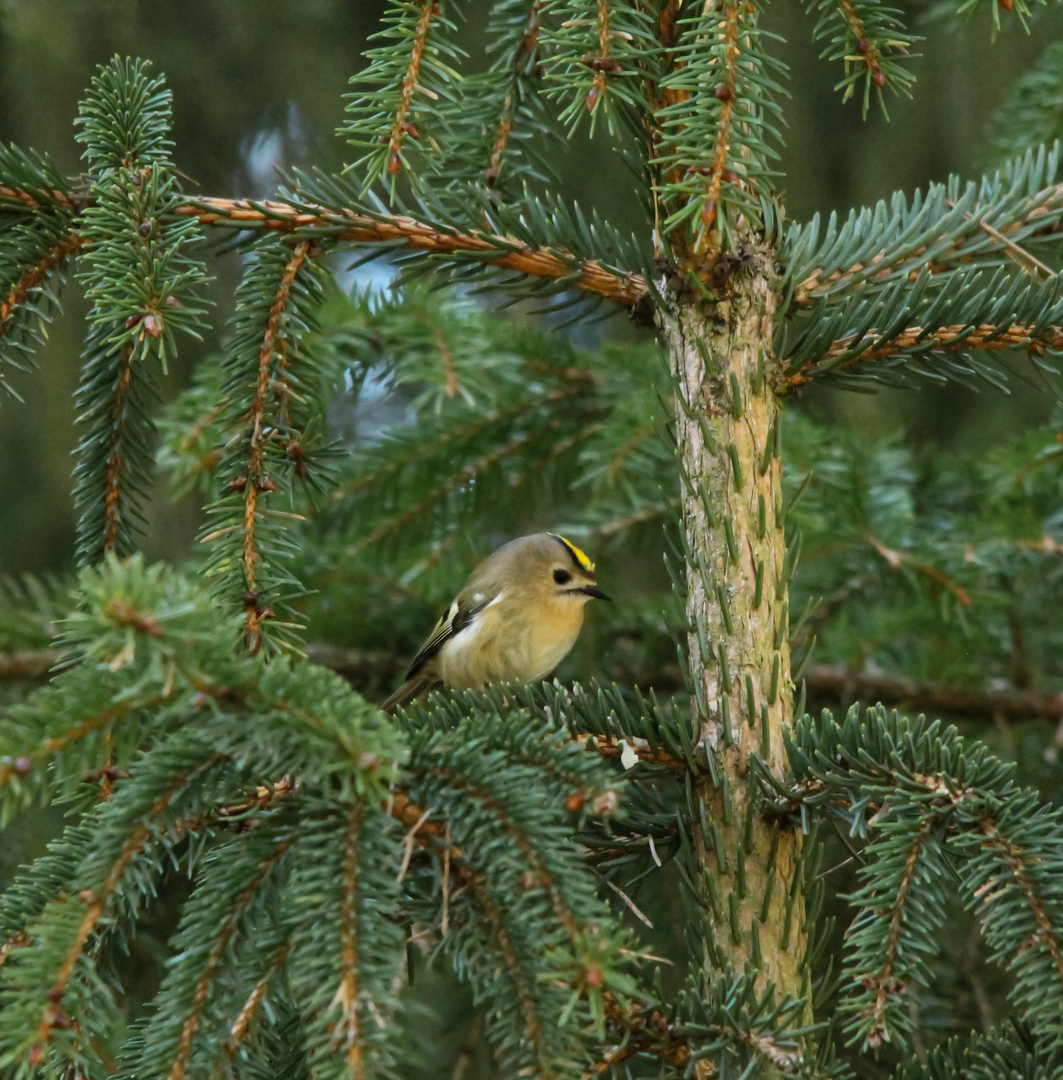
point(593, 590)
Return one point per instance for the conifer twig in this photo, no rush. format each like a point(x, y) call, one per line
point(35, 274)
point(254, 999)
point(477, 884)
point(588, 275)
point(217, 952)
point(256, 481)
point(1012, 856)
point(543, 877)
point(112, 485)
point(883, 982)
point(867, 49)
point(725, 92)
point(955, 338)
point(346, 1032)
point(400, 127)
point(504, 129)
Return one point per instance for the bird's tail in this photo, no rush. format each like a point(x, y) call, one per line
point(417, 687)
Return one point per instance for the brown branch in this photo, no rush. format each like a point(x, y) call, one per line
point(346, 1032)
point(641, 435)
point(255, 480)
point(401, 127)
point(947, 338)
point(24, 763)
point(587, 275)
point(35, 274)
point(469, 473)
point(602, 62)
point(23, 664)
point(542, 876)
point(725, 92)
point(622, 524)
point(96, 903)
point(824, 681)
point(897, 559)
point(49, 199)
point(576, 386)
point(1025, 260)
point(364, 667)
point(884, 983)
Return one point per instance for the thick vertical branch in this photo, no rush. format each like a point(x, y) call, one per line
point(727, 419)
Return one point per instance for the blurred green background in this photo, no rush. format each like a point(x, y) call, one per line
point(257, 82)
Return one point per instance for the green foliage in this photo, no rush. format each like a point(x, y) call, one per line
point(143, 290)
point(280, 867)
point(1034, 111)
point(36, 240)
point(274, 848)
point(397, 113)
point(907, 786)
point(957, 258)
point(599, 56)
point(870, 39)
point(272, 443)
point(719, 128)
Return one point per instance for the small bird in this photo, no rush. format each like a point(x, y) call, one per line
point(514, 621)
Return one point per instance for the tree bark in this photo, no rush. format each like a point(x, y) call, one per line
point(727, 425)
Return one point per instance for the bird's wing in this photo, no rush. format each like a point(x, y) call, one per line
point(421, 684)
point(456, 618)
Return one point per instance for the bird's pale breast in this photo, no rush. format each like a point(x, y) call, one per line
point(506, 644)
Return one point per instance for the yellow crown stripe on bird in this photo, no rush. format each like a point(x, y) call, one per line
point(581, 559)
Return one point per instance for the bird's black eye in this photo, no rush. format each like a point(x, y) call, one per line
point(562, 577)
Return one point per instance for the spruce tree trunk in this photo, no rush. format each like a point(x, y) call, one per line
point(727, 423)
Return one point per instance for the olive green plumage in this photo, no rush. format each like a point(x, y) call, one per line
point(515, 620)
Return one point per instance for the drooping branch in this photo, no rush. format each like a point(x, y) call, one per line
point(884, 982)
point(217, 953)
point(984, 337)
